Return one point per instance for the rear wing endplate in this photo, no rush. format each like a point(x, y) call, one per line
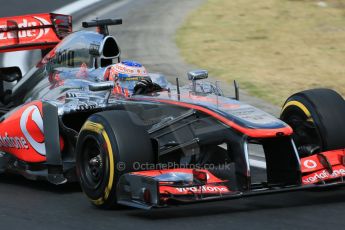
point(37, 31)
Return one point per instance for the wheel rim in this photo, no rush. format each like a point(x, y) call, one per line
point(306, 135)
point(93, 163)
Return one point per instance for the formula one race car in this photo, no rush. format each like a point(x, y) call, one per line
point(65, 121)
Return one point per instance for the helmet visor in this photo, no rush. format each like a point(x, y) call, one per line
point(129, 82)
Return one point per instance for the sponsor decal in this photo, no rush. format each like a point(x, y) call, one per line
point(204, 188)
point(338, 171)
point(215, 101)
point(121, 68)
point(13, 142)
point(30, 33)
point(44, 31)
point(32, 115)
point(310, 164)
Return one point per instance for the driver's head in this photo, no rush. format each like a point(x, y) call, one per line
point(127, 73)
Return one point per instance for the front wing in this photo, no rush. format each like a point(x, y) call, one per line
point(160, 188)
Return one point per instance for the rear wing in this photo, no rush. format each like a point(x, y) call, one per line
point(37, 31)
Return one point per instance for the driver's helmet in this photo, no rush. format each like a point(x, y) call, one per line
point(126, 74)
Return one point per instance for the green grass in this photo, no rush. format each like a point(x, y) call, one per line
point(272, 47)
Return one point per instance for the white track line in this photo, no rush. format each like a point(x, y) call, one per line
point(20, 58)
point(100, 13)
point(75, 6)
point(257, 163)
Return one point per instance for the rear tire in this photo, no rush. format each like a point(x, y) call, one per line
point(317, 117)
point(108, 145)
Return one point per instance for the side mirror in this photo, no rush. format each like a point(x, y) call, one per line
point(10, 74)
point(197, 75)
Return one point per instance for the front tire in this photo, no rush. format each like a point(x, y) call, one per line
point(317, 117)
point(108, 145)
